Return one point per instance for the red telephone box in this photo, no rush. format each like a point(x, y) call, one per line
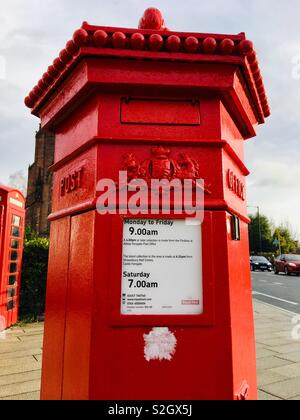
point(145, 306)
point(12, 220)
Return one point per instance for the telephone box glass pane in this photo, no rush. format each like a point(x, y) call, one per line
point(11, 293)
point(14, 244)
point(16, 221)
point(13, 268)
point(13, 255)
point(12, 280)
point(15, 231)
point(10, 305)
point(162, 268)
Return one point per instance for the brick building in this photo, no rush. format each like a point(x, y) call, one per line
point(39, 190)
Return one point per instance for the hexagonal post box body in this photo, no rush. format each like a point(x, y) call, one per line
point(146, 306)
point(12, 221)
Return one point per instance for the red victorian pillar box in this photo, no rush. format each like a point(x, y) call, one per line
point(147, 306)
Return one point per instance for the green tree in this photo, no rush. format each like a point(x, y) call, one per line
point(260, 234)
point(34, 275)
point(287, 243)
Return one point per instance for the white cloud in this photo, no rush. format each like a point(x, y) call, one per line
point(270, 173)
point(2, 67)
point(274, 186)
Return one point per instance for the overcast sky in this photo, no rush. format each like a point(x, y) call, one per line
point(32, 32)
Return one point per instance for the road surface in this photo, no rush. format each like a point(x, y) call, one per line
point(282, 291)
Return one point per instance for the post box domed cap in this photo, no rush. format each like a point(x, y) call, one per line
point(152, 19)
point(152, 41)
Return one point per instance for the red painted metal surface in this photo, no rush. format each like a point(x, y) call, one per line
point(148, 100)
point(160, 112)
point(12, 221)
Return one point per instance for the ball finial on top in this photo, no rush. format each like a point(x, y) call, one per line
point(152, 19)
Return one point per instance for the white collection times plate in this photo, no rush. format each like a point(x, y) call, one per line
point(162, 268)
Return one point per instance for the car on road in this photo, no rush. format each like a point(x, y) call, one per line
point(260, 263)
point(288, 264)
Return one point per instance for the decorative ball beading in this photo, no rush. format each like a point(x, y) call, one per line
point(52, 71)
point(227, 46)
point(265, 103)
point(100, 38)
point(260, 85)
point(156, 42)
point(47, 79)
point(255, 67)
point(42, 85)
point(81, 37)
point(252, 57)
point(173, 43)
point(137, 41)
point(256, 74)
point(191, 45)
point(246, 47)
point(29, 102)
point(119, 40)
point(65, 56)
point(72, 48)
point(33, 96)
point(261, 92)
point(209, 45)
point(37, 91)
point(58, 65)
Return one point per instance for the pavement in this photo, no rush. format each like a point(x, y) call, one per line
point(278, 352)
point(278, 357)
point(20, 362)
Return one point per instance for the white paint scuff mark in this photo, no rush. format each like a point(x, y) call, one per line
point(160, 344)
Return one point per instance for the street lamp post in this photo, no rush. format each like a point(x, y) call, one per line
point(277, 242)
point(259, 226)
